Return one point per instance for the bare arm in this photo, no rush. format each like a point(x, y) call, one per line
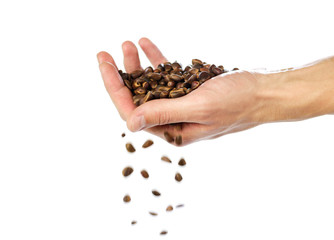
point(299, 93)
point(226, 103)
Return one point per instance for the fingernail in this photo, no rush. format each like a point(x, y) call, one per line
point(139, 123)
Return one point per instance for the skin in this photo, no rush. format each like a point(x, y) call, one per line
point(225, 104)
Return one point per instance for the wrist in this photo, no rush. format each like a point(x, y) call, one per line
point(296, 94)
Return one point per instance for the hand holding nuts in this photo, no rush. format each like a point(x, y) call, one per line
point(168, 80)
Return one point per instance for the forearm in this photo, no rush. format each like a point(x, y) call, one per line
point(296, 94)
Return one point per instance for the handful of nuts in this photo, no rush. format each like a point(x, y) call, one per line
point(168, 80)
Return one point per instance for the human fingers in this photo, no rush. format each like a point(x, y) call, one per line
point(105, 57)
point(131, 57)
point(152, 52)
point(118, 92)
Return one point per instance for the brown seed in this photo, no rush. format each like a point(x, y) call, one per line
point(148, 70)
point(178, 177)
point(186, 77)
point(136, 99)
point(153, 213)
point(163, 88)
point(182, 162)
point(163, 232)
point(156, 193)
point(166, 159)
point(170, 83)
point(221, 67)
point(203, 76)
point(201, 82)
point(133, 222)
point(179, 85)
point(235, 69)
point(187, 68)
point(153, 84)
point(194, 85)
point(177, 93)
point(178, 140)
point(136, 73)
point(164, 74)
point(175, 77)
point(176, 65)
point(156, 94)
point(140, 91)
point(146, 85)
point(162, 82)
point(145, 174)
point(161, 67)
point(169, 208)
point(127, 198)
point(126, 76)
point(127, 171)
point(149, 96)
point(127, 84)
point(212, 67)
point(176, 71)
point(164, 94)
point(193, 71)
point(186, 84)
point(148, 143)
point(196, 61)
point(156, 76)
point(203, 69)
point(217, 71)
point(123, 134)
point(167, 77)
point(168, 137)
point(136, 83)
point(198, 66)
point(157, 70)
point(130, 147)
point(168, 67)
point(180, 205)
point(192, 78)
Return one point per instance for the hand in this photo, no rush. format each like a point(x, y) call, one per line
point(222, 105)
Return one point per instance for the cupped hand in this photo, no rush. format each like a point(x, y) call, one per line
point(224, 104)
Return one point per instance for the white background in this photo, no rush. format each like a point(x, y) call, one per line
point(61, 151)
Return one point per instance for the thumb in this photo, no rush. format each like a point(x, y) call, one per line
point(162, 112)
